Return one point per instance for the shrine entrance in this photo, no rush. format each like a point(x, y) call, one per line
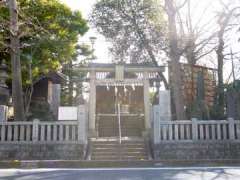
point(120, 111)
point(119, 98)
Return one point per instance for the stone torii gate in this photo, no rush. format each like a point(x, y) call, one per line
point(116, 75)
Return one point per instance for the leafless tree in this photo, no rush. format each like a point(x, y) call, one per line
point(175, 53)
point(224, 18)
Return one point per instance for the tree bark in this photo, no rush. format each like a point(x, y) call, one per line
point(70, 85)
point(149, 50)
point(17, 92)
point(220, 58)
point(29, 91)
point(147, 46)
point(223, 22)
point(174, 54)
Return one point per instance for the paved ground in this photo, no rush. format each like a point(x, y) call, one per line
point(195, 173)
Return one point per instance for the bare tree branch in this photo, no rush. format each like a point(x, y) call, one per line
point(206, 53)
point(181, 5)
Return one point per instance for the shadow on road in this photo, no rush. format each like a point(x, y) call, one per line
point(122, 174)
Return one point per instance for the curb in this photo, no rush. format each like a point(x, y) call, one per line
point(34, 164)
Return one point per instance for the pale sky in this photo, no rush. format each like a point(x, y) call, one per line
point(101, 48)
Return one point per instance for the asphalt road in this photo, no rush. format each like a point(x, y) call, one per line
point(194, 173)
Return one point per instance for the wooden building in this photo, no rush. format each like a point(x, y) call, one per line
point(198, 85)
point(47, 89)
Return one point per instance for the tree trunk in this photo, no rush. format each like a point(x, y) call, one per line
point(223, 21)
point(17, 92)
point(220, 58)
point(175, 57)
point(29, 90)
point(149, 50)
point(70, 85)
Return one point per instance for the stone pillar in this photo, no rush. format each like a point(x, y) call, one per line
point(56, 96)
point(165, 105)
point(231, 128)
point(82, 124)
point(3, 113)
point(194, 129)
point(92, 104)
point(35, 130)
point(146, 100)
point(156, 125)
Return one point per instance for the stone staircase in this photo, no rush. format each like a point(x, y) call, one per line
point(105, 149)
point(130, 126)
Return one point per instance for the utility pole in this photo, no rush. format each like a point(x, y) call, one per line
point(17, 92)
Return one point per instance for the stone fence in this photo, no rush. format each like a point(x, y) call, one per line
point(194, 130)
point(45, 131)
point(45, 139)
point(195, 139)
point(36, 131)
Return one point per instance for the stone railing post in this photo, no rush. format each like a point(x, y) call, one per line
point(3, 113)
point(194, 129)
point(82, 124)
point(156, 125)
point(231, 129)
point(35, 130)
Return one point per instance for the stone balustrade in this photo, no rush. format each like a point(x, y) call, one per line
point(193, 130)
point(46, 131)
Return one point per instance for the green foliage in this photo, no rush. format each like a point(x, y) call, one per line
point(40, 110)
point(72, 90)
point(198, 109)
point(135, 28)
point(49, 33)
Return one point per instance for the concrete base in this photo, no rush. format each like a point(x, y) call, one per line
point(197, 151)
point(92, 133)
point(146, 133)
point(42, 151)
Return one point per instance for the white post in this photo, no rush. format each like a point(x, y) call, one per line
point(3, 113)
point(156, 125)
point(231, 129)
point(92, 103)
point(35, 130)
point(194, 129)
point(82, 132)
point(146, 101)
point(119, 124)
point(165, 105)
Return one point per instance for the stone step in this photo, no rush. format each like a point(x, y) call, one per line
point(134, 125)
point(110, 149)
point(118, 145)
point(116, 149)
point(116, 129)
point(111, 128)
point(125, 140)
point(127, 158)
point(116, 142)
point(116, 135)
point(118, 153)
point(122, 154)
point(122, 123)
